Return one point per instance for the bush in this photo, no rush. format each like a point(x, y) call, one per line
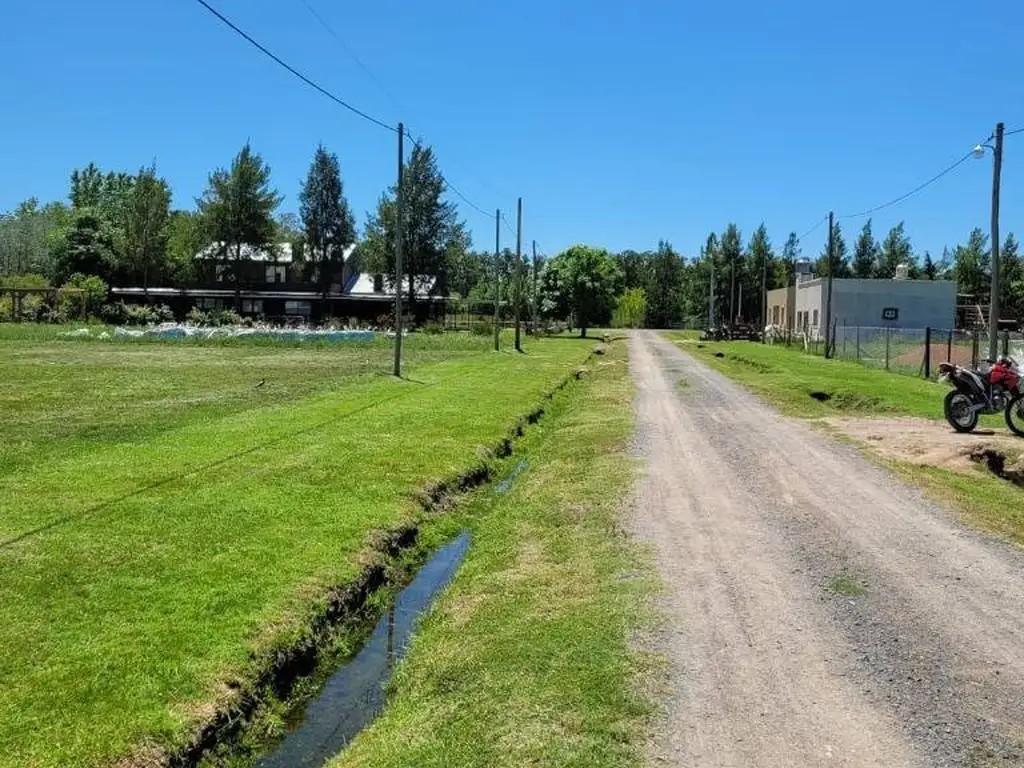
point(196, 316)
point(433, 328)
point(79, 306)
point(135, 314)
point(226, 317)
point(385, 322)
point(482, 327)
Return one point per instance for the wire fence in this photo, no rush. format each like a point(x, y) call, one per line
point(913, 351)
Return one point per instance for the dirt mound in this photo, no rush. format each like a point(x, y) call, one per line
point(925, 442)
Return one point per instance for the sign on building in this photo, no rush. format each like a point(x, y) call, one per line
point(891, 313)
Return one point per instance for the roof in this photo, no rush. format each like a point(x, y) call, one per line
point(364, 285)
point(250, 253)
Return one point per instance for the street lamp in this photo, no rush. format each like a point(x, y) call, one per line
point(997, 167)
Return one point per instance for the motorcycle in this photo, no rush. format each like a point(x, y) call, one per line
point(985, 391)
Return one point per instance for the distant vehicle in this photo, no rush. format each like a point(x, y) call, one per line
point(986, 390)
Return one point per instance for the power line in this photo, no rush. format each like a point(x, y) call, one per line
point(814, 228)
point(341, 42)
point(448, 184)
point(1010, 133)
point(914, 191)
point(290, 68)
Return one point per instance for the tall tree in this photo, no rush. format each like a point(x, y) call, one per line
point(86, 249)
point(585, 281)
point(144, 220)
point(1011, 279)
point(785, 267)
point(185, 238)
point(971, 266)
point(237, 209)
point(895, 251)
point(326, 216)
point(431, 228)
point(664, 299)
point(86, 187)
point(840, 264)
point(929, 270)
point(865, 253)
point(635, 268)
point(731, 252)
point(760, 272)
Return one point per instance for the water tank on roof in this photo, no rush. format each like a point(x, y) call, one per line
point(903, 272)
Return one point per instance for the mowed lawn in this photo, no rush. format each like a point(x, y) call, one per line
point(163, 521)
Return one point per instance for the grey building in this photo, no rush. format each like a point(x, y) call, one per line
point(896, 303)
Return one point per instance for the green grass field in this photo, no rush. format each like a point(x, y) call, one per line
point(525, 659)
point(164, 523)
point(786, 378)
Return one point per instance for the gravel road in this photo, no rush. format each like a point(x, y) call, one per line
point(818, 611)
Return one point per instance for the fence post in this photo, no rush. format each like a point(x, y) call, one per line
point(845, 334)
point(928, 352)
point(949, 348)
point(1006, 343)
point(974, 348)
point(858, 343)
point(888, 336)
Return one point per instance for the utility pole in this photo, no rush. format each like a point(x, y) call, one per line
point(535, 297)
point(993, 312)
point(497, 279)
point(828, 298)
point(399, 213)
point(517, 291)
point(732, 289)
point(764, 295)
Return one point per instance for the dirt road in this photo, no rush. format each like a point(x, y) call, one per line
point(819, 612)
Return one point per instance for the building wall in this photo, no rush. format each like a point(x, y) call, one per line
point(782, 307)
point(918, 303)
point(810, 305)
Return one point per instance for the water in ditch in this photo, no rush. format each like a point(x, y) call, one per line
point(354, 695)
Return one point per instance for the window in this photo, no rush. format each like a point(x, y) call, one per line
point(208, 304)
point(298, 308)
point(815, 318)
point(276, 273)
point(222, 272)
point(378, 283)
point(252, 306)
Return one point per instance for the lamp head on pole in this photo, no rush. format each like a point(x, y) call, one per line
point(978, 152)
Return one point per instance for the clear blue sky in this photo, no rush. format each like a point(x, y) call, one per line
point(619, 123)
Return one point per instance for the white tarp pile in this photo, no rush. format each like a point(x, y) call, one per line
point(173, 331)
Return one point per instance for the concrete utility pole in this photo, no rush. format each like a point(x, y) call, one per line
point(732, 290)
point(764, 295)
point(497, 280)
point(517, 291)
point(993, 313)
point(828, 298)
point(399, 213)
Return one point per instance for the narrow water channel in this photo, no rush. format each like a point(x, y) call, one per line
point(354, 695)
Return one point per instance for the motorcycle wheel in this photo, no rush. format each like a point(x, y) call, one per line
point(960, 415)
point(1015, 415)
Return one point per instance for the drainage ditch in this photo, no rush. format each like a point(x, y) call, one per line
point(228, 737)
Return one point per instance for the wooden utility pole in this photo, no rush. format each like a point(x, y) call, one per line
point(399, 213)
point(828, 297)
point(732, 289)
point(993, 311)
point(497, 280)
point(517, 289)
point(711, 295)
point(535, 296)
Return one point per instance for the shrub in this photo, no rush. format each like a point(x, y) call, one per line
point(483, 327)
point(432, 327)
point(226, 317)
point(196, 316)
point(79, 306)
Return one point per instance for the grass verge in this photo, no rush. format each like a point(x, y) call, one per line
point(147, 577)
point(525, 660)
point(787, 378)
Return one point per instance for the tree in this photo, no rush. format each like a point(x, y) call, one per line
point(467, 270)
point(87, 248)
point(185, 238)
point(86, 187)
point(28, 235)
point(785, 266)
point(664, 307)
point(895, 251)
point(635, 268)
point(760, 272)
point(237, 209)
point(929, 270)
point(840, 266)
point(1011, 279)
point(630, 309)
point(971, 266)
point(326, 217)
point(731, 253)
point(585, 281)
point(431, 229)
point(144, 220)
point(865, 253)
